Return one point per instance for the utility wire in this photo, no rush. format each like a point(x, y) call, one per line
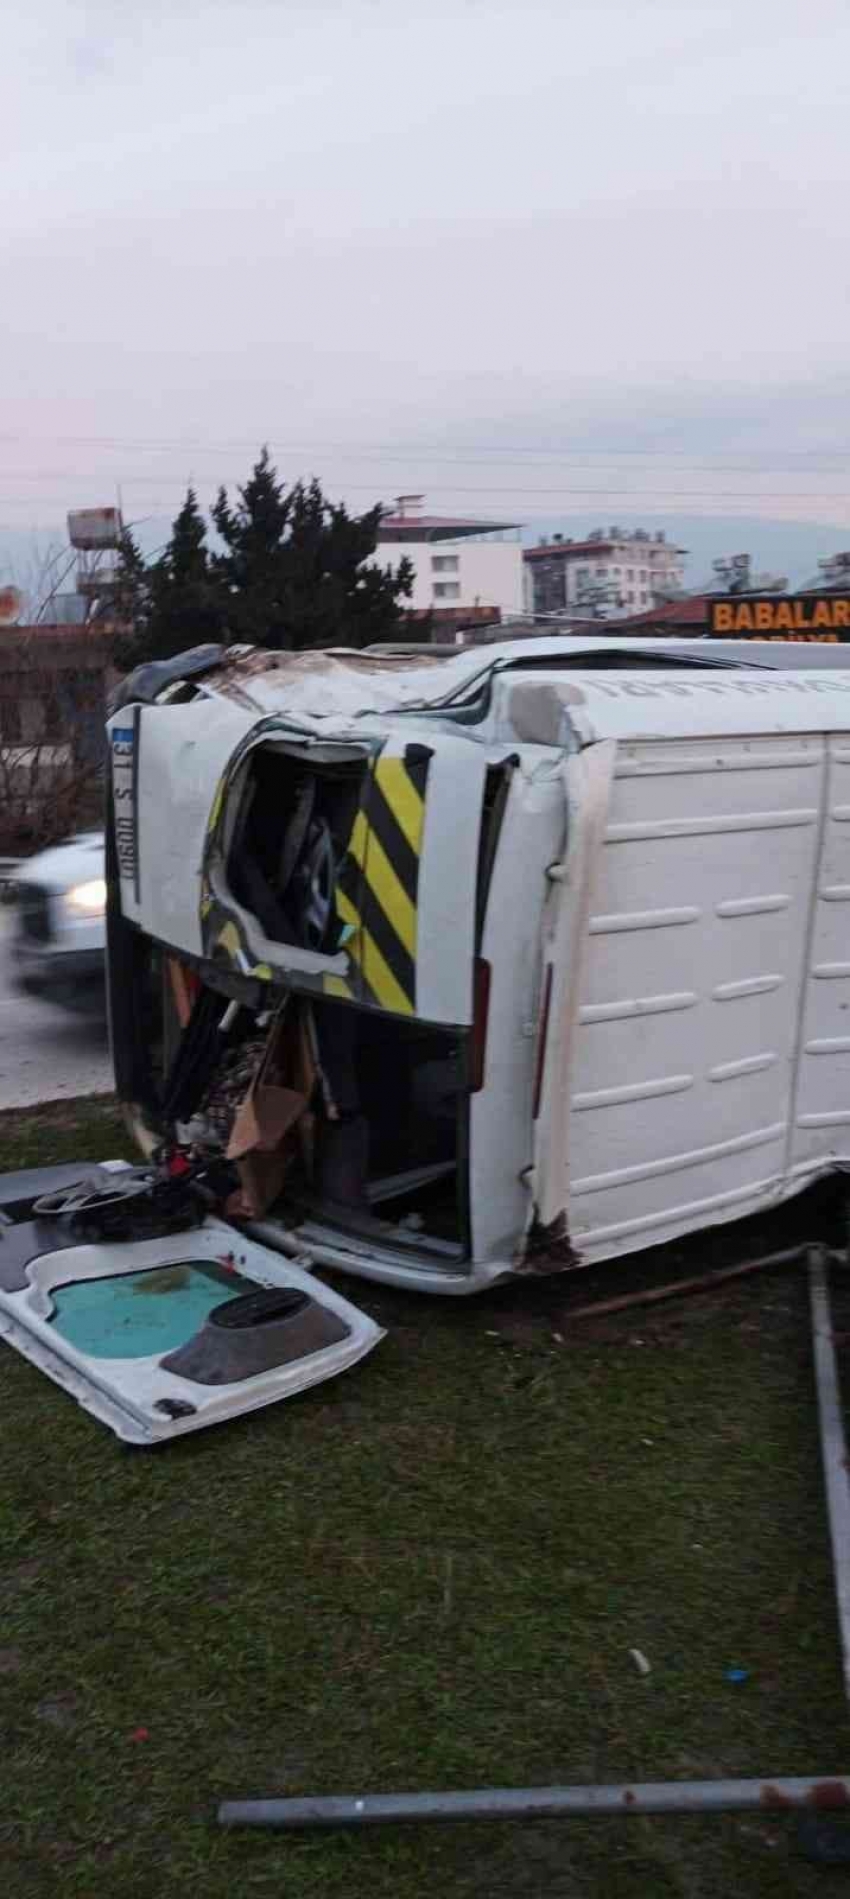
point(633, 495)
point(420, 452)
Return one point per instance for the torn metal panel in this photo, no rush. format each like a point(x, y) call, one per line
point(548, 1249)
point(404, 883)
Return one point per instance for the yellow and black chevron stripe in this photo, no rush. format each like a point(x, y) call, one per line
point(378, 885)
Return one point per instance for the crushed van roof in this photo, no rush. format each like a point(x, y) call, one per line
point(334, 681)
point(344, 686)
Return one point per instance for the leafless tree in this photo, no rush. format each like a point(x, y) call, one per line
point(40, 575)
point(52, 690)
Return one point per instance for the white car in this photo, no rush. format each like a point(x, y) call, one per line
point(59, 939)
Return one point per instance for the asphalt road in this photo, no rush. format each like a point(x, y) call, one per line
point(45, 1052)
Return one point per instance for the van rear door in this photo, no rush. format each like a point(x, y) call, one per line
point(156, 1336)
point(676, 945)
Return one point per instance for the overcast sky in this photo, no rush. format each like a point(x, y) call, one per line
point(519, 256)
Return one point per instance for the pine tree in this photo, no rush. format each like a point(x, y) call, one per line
point(249, 570)
point(294, 572)
point(128, 602)
point(296, 568)
point(176, 601)
point(187, 608)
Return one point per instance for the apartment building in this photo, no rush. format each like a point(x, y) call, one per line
point(621, 572)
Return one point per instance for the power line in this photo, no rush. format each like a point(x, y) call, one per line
point(415, 451)
point(776, 471)
point(519, 493)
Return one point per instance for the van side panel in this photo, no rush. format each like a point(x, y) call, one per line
point(821, 1133)
point(179, 753)
point(531, 839)
point(682, 1069)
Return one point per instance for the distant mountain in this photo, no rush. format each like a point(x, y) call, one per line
point(777, 547)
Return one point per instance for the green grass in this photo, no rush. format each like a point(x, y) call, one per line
point(426, 1574)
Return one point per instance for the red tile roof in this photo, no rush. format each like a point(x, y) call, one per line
point(690, 610)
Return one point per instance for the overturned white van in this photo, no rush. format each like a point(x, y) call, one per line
point(571, 939)
point(438, 968)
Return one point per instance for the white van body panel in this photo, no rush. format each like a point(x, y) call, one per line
point(567, 951)
point(446, 901)
point(680, 1066)
point(500, 1132)
point(822, 1121)
point(166, 762)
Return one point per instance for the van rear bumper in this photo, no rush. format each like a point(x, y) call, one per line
point(315, 1245)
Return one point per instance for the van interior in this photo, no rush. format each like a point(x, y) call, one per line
point(381, 1148)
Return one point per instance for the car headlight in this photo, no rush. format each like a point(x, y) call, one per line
point(90, 897)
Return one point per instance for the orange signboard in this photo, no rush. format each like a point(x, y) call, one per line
point(780, 617)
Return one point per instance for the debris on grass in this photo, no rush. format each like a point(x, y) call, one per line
point(641, 1664)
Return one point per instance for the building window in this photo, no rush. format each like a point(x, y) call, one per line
point(602, 573)
point(615, 570)
point(444, 563)
point(642, 574)
point(582, 573)
point(630, 573)
point(446, 590)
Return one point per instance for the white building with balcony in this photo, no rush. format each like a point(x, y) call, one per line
point(461, 566)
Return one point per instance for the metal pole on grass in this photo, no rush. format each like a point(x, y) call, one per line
point(833, 1446)
point(528, 1803)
